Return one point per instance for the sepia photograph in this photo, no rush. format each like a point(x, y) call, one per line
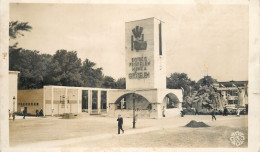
point(118, 75)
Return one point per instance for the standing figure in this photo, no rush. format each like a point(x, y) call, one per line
point(213, 115)
point(182, 113)
point(9, 114)
point(238, 112)
point(37, 113)
point(163, 112)
point(41, 112)
point(120, 124)
point(24, 113)
point(13, 116)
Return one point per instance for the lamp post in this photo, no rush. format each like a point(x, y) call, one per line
point(13, 104)
point(134, 110)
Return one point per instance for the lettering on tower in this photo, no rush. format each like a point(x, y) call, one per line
point(137, 39)
point(139, 68)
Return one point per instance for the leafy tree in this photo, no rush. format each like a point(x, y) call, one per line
point(109, 82)
point(65, 69)
point(207, 80)
point(121, 83)
point(16, 28)
point(31, 66)
point(179, 81)
point(92, 77)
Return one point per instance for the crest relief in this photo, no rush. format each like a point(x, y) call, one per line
point(137, 39)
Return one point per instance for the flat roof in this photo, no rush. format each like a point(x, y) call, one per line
point(145, 19)
point(14, 71)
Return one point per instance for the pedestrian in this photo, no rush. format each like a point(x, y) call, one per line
point(37, 113)
point(163, 111)
point(213, 115)
point(120, 124)
point(182, 113)
point(196, 112)
point(238, 112)
point(13, 116)
point(41, 112)
point(9, 114)
point(24, 113)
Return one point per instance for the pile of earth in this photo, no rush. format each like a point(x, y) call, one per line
point(69, 116)
point(195, 124)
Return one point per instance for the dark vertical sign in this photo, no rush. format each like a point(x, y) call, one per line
point(160, 38)
point(132, 42)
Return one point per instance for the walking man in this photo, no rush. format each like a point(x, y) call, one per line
point(41, 112)
point(13, 116)
point(120, 124)
point(238, 112)
point(163, 112)
point(24, 113)
point(37, 112)
point(213, 115)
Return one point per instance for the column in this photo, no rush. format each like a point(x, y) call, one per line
point(99, 101)
point(89, 101)
point(43, 106)
point(78, 106)
point(52, 101)
point(66, 97)
point(107, 104)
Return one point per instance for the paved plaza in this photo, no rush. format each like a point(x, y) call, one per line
point(101, 131)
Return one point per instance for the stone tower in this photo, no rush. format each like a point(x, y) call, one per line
point(145, 54)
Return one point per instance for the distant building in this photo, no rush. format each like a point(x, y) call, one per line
point(30, 100)
point(235, 93)
point(13, 87)
point(51, 99)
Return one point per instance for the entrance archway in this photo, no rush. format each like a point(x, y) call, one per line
point(170, 101)
point(171, 105)
point(126, 102)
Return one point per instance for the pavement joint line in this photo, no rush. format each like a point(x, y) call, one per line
point(58, 143)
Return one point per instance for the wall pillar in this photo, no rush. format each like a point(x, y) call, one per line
point(89, 101)
point(43, 106)
point(99, 101)
point(52, 101)
point(78, 107)
point(66, 100)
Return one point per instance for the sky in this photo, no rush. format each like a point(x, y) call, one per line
point(216, 35)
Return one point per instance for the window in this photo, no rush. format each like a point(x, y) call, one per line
point(26, 104)
point(37, 103)
point(31, 104)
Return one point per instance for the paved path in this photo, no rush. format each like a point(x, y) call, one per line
point(60, 143)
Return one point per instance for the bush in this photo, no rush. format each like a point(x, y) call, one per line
point(189, 111)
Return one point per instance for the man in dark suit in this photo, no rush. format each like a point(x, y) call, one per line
point(120, 124)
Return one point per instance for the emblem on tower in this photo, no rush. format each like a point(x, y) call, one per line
point(137, 39)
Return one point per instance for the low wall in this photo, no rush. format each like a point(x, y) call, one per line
point(172, 112)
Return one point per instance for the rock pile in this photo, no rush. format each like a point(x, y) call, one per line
point(195, 124)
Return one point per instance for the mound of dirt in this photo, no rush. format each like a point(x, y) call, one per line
point(195, 124)
point(69, 116)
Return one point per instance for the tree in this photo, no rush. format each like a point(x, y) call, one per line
point(16, 28)
point(65, 69)
point(207, 80)
point(109, 82)
point(32, 67)
point(91, 76)
point(179, 81)
point(121, 83)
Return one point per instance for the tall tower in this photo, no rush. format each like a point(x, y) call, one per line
point(145, 54)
